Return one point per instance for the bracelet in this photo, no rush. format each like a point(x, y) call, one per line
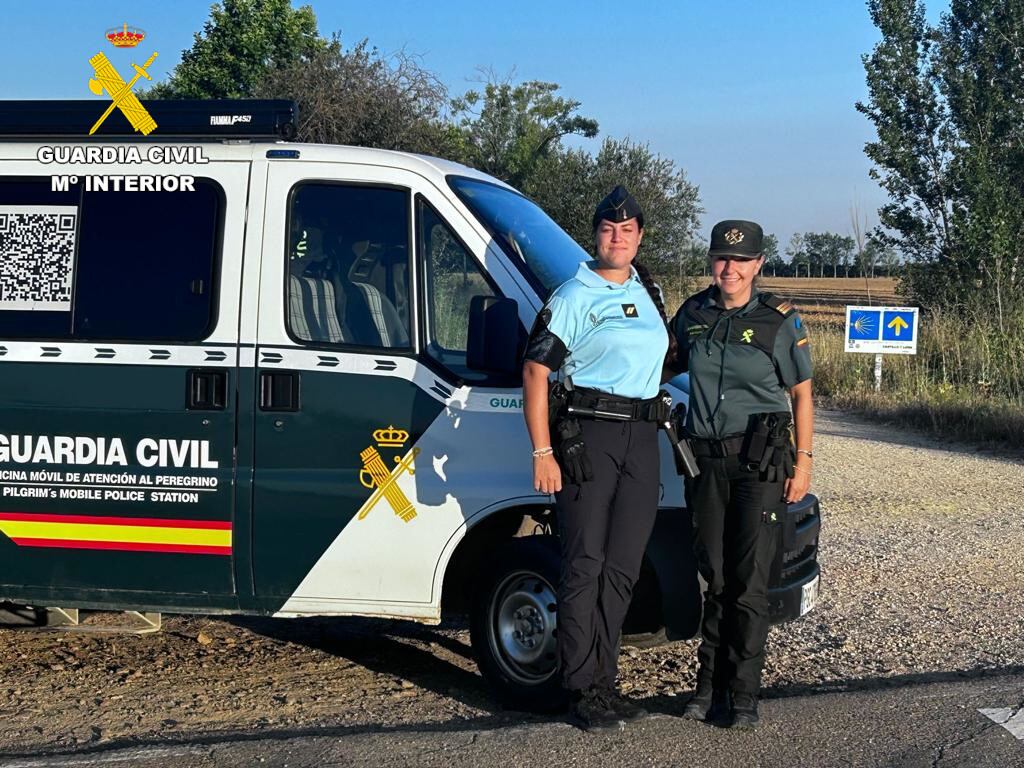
point(807, 453)
point(801, 469)
point(543, 452)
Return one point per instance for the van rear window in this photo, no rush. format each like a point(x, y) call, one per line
point(112, 266)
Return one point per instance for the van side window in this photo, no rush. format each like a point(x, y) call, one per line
point(112, 266)
point(348, 265)
point(452, 278)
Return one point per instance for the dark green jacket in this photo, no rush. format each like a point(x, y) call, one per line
point(741, 361)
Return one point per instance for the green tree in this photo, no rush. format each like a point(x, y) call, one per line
point(359, 97)
point(797, 252)
point(828, 249)
point(569, 183)
point(240, 43)
point(772, 258)
point(509, 129)
point(947, 103)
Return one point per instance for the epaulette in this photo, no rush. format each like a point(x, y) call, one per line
point(783, 306)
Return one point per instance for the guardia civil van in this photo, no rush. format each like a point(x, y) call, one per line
point(242, 375)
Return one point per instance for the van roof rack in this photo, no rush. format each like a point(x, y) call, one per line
point(175, 119)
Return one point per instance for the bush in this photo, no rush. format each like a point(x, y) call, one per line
point(965, 381)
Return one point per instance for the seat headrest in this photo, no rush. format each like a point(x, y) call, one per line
point(366, 256)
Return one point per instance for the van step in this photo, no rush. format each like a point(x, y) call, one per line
point(129, 623)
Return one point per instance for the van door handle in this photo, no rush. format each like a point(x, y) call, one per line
point(279, 391)
point(207, 390)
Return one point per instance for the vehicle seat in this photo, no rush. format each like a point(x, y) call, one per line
point(312, 310)
point(384, 326)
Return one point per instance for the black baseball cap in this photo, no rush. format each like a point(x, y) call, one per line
point(735, 237)
point(618, 206)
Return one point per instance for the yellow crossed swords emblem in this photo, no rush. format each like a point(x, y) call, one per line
point(121, 94)
point(375, 474)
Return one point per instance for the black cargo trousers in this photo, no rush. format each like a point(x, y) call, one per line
point(736, 518)
point(604, 525)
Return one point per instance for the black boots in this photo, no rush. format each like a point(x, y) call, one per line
point(625, 708)
point(590, 711)
point(710, 705)
point(699, 707)
point(744, 711)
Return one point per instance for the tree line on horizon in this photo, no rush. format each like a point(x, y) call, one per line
point(946, 100)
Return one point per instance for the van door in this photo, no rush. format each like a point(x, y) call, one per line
point(358, 405)
point(118, 371)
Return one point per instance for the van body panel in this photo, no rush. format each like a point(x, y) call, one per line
point(112, 483)
point(462, 444)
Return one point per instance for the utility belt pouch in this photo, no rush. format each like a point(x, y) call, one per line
point(571, 451)
point(768, 445)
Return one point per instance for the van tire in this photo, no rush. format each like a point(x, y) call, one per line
point(513, 624)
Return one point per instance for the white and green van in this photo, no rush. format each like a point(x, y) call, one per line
point(241, 375)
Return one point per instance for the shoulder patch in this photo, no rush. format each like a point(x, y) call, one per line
point(783, 306)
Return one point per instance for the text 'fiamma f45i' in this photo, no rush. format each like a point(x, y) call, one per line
point(292, 387)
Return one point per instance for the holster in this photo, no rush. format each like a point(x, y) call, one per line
point(567, 437)
point(768, 445)
point(682, 452)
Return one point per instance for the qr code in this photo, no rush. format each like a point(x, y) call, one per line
point(37, 256)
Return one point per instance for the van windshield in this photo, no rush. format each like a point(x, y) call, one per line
point(541, 249)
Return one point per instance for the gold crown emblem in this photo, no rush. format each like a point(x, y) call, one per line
point(125, 37)
point(390, 437)
point(733, 236)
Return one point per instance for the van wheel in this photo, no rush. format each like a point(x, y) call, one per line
point(514, 625)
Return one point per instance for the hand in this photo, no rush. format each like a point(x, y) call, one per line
point(796, 486)
point(547, 475)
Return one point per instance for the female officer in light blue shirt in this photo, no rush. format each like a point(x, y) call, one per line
point(604, 331)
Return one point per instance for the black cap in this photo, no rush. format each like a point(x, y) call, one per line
point(618, 206)
point(734, 237)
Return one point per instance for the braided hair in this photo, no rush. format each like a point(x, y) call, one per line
point(654, 291)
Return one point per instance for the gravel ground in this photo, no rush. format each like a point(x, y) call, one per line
point(923, 575)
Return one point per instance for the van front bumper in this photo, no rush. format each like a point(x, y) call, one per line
point(795, 581)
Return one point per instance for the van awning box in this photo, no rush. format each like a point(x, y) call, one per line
point(214, 119)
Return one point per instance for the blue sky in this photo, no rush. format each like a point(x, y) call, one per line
point(754, 99)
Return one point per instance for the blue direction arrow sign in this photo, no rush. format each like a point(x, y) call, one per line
point(898, 326)
point(882, 330)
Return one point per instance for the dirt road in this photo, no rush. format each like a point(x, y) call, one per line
point(923, 570)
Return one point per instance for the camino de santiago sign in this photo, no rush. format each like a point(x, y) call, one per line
point(882, 330)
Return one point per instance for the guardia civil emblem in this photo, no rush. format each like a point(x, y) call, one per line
point(734, 236)
point(375, 474)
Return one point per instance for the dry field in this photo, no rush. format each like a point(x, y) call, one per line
point(823, 300)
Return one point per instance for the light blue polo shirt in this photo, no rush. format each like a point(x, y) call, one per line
point(615, 339)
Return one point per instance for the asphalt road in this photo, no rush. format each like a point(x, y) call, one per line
point(930, 720)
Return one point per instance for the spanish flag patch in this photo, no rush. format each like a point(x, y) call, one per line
point(803, 342)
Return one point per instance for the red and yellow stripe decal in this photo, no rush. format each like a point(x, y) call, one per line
point(133, 534)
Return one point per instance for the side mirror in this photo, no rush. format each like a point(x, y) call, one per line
point(493, 342)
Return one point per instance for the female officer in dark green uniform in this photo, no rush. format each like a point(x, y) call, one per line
point(748, 356)
point(604, 331)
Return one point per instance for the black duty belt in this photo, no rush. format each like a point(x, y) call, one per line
point(594, 404)
point(717, 449)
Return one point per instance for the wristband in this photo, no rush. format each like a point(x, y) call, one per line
point(543, 452)
point(801, 469)
point(806, 453)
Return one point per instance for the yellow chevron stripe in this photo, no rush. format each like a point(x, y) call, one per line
point(138, 534)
